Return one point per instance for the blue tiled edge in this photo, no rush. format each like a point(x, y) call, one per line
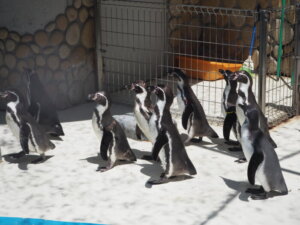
point(30, 221)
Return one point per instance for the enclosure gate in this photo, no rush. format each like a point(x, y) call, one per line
point(144, 39)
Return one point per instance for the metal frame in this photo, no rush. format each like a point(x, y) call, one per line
point(127, 51)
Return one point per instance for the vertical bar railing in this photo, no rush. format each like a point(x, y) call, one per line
point(99, 59)
point(296, 93)
point(263, 18)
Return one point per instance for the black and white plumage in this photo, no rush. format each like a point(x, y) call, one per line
point(114, 145)
point(41, 106)
point(263, 166)
point(246, 97)
point(143, 109)
point(229, 111)
point(176, 158)
point(193, 116)
point(29, 133)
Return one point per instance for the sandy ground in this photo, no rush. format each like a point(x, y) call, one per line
point(67, 187)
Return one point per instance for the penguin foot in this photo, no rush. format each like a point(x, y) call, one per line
point(235, 149)
point(196, 140)
point(147, 157)
point(255, 190)
point(260, 196)
point(241, 160)
point(235, 143)
point(103, 168)
point(159, 181)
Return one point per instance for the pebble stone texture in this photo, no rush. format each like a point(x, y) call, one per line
point(63, 55)
point(188, 23)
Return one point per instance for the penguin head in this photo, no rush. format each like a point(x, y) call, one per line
point(164, 94)
point(101, 98)
point(179, 75)
point(226, 74)
point(241, 76)
point(139, 87)
point(9, 96)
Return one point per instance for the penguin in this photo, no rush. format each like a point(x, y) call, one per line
point(176, 160)
point(41, 106)
point(193, 116)
point(30, 134)
point(143, 109)
point(109, 132)
point(229, 94)
point(246, 96)
point(263, 161)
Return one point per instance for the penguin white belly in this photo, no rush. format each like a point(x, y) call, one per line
point(261, 177)
point(180, 102)
point(246, 143)
point(97, 130)
point(224, 100)
point(113, 152)
point(240, 115)
point(171, 167)
point(143, 124)
point(12, 126)
point(154, 133)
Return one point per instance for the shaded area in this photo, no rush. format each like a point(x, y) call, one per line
point(81, 112)
point(25, 160)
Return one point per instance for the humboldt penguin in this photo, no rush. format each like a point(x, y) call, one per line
point(111, 135)
point(246, 96)
point(29, 133)
point(263, 164)
point(193, 116)
point(177, 161)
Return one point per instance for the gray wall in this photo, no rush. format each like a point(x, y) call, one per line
point(27, 16)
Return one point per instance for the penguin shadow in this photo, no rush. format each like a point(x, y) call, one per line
point(240, 187)
point(217, 145)
point(24, 161)
point(97, 160)
point(154, 169)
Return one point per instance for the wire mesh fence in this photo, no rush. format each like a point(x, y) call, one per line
point(144, 39)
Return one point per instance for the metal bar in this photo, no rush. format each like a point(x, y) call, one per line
point(99, 58)
point(263, 17)
point(296, 93)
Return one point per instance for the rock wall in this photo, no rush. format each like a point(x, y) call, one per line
point(63, 55)
point(224, 35)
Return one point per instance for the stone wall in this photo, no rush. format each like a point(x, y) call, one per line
point(226, 35)
point(62, 53)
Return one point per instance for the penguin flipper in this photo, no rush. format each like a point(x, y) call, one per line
point(255, 161)
point(138, 132)
point(186, 115)
point(105, 142)
point(24, 137)
point(230, 119)
point(161, 140)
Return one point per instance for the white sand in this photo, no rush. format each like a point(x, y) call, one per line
point(67, 187)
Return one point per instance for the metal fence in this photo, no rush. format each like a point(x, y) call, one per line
point(143, 39)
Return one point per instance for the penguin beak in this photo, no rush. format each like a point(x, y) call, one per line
point(234, 76)
point(150, 88)
point(127, 87)
point(92, 97)
point(3, 95)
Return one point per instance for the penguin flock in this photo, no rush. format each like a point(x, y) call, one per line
point(34, 122)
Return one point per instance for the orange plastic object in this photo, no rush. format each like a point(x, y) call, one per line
point(205, 70)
